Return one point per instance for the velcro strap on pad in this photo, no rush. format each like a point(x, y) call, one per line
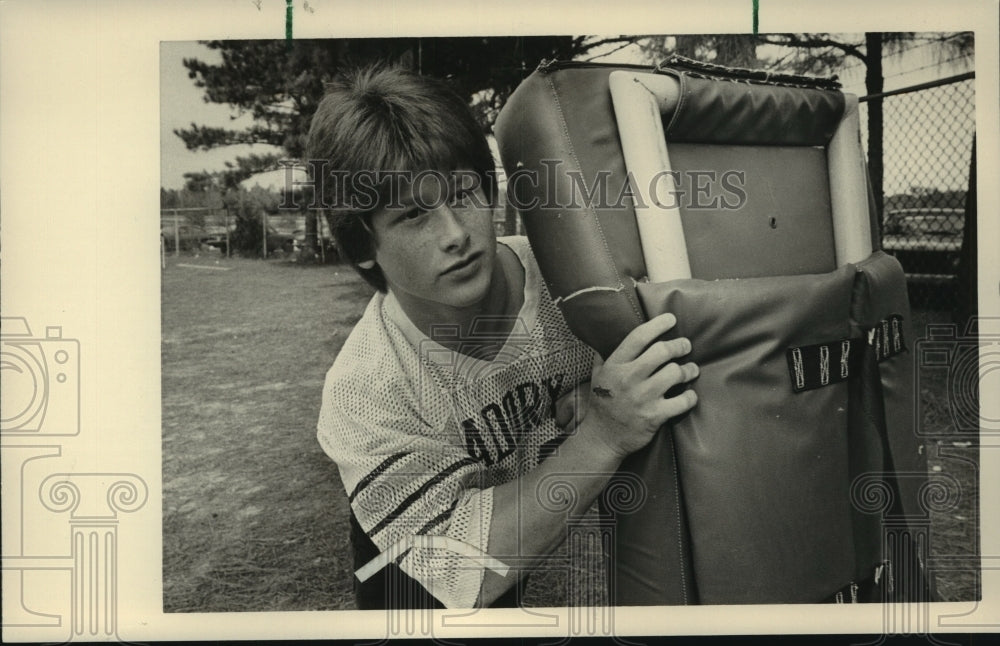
point(886, 338)
point(822, 364)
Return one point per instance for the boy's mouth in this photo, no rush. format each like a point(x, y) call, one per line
point(463, 263)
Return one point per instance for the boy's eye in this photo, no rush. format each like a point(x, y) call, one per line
point(463, 196)
point(412, 215)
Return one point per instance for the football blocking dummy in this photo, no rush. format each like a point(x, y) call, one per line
point(741, 205)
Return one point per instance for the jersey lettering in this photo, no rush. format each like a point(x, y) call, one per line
point(553, 385)
point(497, 432)
point(474, 442)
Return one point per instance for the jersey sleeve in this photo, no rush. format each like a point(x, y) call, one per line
point(404, 478)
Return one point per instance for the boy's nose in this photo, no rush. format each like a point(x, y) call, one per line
point(453, 234)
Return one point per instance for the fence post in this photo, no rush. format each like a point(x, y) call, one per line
point(874, 83)
point(177, 236)
point(263, 225)
point(321, 239)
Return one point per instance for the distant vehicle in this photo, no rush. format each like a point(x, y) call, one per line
point(186, 235)
point(193, 237)
point(217, 237)
point(329, 249)
point(926, 241)
point(276, 240)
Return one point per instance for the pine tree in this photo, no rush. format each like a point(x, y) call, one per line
point(281, 83)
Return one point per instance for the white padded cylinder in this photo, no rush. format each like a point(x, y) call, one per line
point(640, 99)
point(849, 188)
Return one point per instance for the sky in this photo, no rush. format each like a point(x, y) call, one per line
point(181, 103)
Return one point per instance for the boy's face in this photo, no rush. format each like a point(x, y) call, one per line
point(439, 247)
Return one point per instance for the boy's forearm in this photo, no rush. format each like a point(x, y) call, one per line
point(629, 408)
point(522, 530)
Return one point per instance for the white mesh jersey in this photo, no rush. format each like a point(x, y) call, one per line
point(421, 434)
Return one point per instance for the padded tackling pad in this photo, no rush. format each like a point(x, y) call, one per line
point(770, 477)
point(891, 490)
point(768, 215)
point(711, 112)
point(755, 496)
point(556, 134)
point(764, 472)
point(879, 293)
point(559, 144)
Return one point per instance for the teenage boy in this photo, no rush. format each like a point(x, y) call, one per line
point(460, 398)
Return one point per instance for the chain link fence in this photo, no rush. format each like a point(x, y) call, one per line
point(203, 230)
point(927, 149)
point(195, 229)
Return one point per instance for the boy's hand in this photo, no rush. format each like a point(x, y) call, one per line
point(627, 403)
point(571, 408)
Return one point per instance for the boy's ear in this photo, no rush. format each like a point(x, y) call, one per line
point(406, 60)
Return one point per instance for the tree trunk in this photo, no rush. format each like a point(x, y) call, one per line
point(967, 279)
point(874, 85)
point(687, 46)
point(736, 50)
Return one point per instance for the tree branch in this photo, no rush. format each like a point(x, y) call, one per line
point(583, 47)
point(616, 49)
point(807, 41)
point(206, 138)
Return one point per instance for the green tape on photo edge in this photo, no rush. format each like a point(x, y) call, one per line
point(756, 16)
point(288, 22)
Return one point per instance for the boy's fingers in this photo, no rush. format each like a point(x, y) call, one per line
point(672, 374)
point(660, 353)
point(639, 339)
point(678, 405)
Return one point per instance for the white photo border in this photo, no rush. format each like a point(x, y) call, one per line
point(80, 170)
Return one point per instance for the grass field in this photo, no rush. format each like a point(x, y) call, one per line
point(254, 515)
